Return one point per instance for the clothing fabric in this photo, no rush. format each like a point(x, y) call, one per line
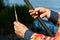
point(29, 35)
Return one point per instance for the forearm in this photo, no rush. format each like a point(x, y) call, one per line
point(42, 37)
point(53, 17)
point(34, 36)
point(29, 35)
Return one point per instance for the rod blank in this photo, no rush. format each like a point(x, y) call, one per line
point(39, 19)
point(15, 13)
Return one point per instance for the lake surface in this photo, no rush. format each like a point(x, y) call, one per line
point(51, 4)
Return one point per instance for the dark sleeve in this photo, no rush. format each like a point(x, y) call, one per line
point(53, 17)
point(28, 35)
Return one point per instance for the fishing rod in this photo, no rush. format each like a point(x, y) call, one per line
point(39, 19)
point(15, 13)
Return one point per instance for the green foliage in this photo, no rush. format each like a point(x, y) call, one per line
point(7, 18)
point(23, 14)
point(1, 5)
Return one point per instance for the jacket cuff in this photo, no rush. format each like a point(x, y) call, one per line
point(28, 35)
point(53, 17)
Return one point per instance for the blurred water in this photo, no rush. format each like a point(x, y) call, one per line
point(51, 4)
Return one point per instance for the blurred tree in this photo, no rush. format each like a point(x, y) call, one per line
point(1, 5)
point(23, 14)
point(7, 18)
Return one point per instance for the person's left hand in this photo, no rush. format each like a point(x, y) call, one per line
point(20, 29)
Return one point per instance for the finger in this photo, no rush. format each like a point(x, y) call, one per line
point(35, 16)
point(40, 9)
point(17, 28)
point(36, 13)
point(17, 23)
point(36, 9)
point(31, 11)
point(43, 15)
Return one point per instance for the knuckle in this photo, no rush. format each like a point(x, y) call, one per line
point(30, 11)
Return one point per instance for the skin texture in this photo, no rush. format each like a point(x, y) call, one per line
point(20, 28)
point(42, 12)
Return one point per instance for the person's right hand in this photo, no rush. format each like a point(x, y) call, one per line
point(42, 12)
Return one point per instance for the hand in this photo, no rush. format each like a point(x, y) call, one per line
point(42, 12)
point(20, 29)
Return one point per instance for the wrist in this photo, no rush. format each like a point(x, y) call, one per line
point(28, 35)
point(25, 31)
point(48, 13)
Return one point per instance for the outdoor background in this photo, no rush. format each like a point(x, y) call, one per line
point(7, 17)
